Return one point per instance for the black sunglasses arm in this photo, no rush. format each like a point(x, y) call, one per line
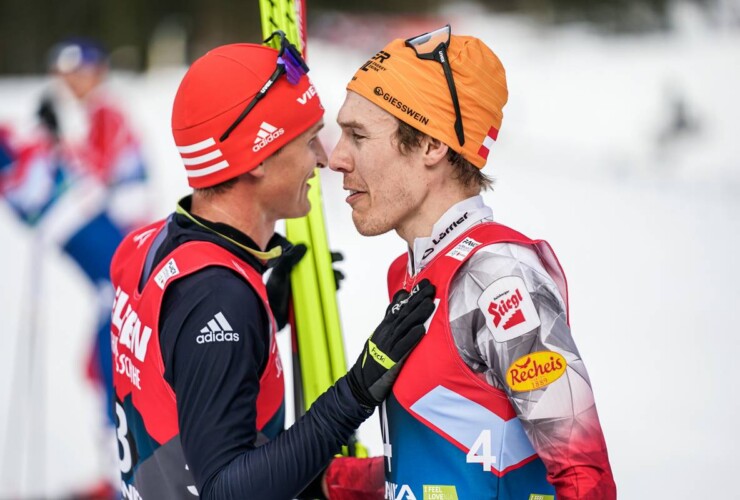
point(270, 82)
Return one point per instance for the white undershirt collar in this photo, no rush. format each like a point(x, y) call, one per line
point(456, 220)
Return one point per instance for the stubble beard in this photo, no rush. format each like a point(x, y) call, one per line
point(386, 215)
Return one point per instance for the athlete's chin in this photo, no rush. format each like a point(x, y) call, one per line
point(298, 211)
point(295, 210)
point(369, 226)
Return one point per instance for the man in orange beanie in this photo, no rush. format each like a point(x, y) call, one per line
point(198, 382)
point(495, 402)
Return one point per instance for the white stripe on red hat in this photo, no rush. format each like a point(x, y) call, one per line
point(208, 170)
point(198, 146)
point(203, 159)
point(488, 143)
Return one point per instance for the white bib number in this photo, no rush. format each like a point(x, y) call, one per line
point(124, 461)
point(387, 448)
point(480, 452)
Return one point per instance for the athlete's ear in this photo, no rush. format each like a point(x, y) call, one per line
point(257, 172)
point(434, 150)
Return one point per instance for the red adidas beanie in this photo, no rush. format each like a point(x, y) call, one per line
point(213, 93)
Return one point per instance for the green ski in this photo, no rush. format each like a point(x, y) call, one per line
point(320, 358)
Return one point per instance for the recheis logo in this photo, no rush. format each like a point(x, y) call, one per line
point(535, 371)
point(508, 308)
point(266, 134)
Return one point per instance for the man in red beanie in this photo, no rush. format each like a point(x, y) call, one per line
point(199, 385)
point(495, 402)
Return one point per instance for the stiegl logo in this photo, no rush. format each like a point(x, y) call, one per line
point(217, 330)
point(505, 307)
point(266, 134)
point(509, 310)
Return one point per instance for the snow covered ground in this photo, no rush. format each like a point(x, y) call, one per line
point(644, 215)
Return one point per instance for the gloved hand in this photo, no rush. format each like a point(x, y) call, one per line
point(278, 284)
point(47, 115)
point(372, 376)
point(338, 275)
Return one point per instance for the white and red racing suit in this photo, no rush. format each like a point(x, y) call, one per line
point(495, 402)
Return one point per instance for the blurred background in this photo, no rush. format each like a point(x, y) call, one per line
point(619, 146)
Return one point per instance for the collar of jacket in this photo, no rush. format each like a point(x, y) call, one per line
point(277, 245)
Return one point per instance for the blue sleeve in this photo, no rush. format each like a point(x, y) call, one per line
point(7, 157)
point(217, 383)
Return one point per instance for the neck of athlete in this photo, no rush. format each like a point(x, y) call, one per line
point(238, 208)
point(441, 193)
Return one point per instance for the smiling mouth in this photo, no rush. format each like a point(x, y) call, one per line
point(354, 194)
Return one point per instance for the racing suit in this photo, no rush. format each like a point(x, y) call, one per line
point(199, 388)
point(495, 402)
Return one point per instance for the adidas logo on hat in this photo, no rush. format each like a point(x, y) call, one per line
point(215, 91)
point(266, 134)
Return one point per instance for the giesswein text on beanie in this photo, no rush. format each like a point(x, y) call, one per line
point(415, 91)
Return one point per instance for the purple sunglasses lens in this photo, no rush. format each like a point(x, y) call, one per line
point(293, 68)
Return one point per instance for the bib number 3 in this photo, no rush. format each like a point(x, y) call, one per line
point(124, 449)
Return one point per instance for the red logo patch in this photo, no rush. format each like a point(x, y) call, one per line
point(510, 307)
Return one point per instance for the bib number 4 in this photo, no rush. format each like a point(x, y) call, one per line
point(480, 452)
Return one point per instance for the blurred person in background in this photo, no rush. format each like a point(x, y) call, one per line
point(200, 406)
point(495, 402)
point(80, 180)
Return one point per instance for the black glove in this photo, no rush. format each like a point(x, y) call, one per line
point(278, 284)
point(338, 275)
point(48, 115)
point(372, 376)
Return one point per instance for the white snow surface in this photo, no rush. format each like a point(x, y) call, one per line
point(645, 224)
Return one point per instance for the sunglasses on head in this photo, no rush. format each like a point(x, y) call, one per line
point(433, 46)
point(289, 63)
